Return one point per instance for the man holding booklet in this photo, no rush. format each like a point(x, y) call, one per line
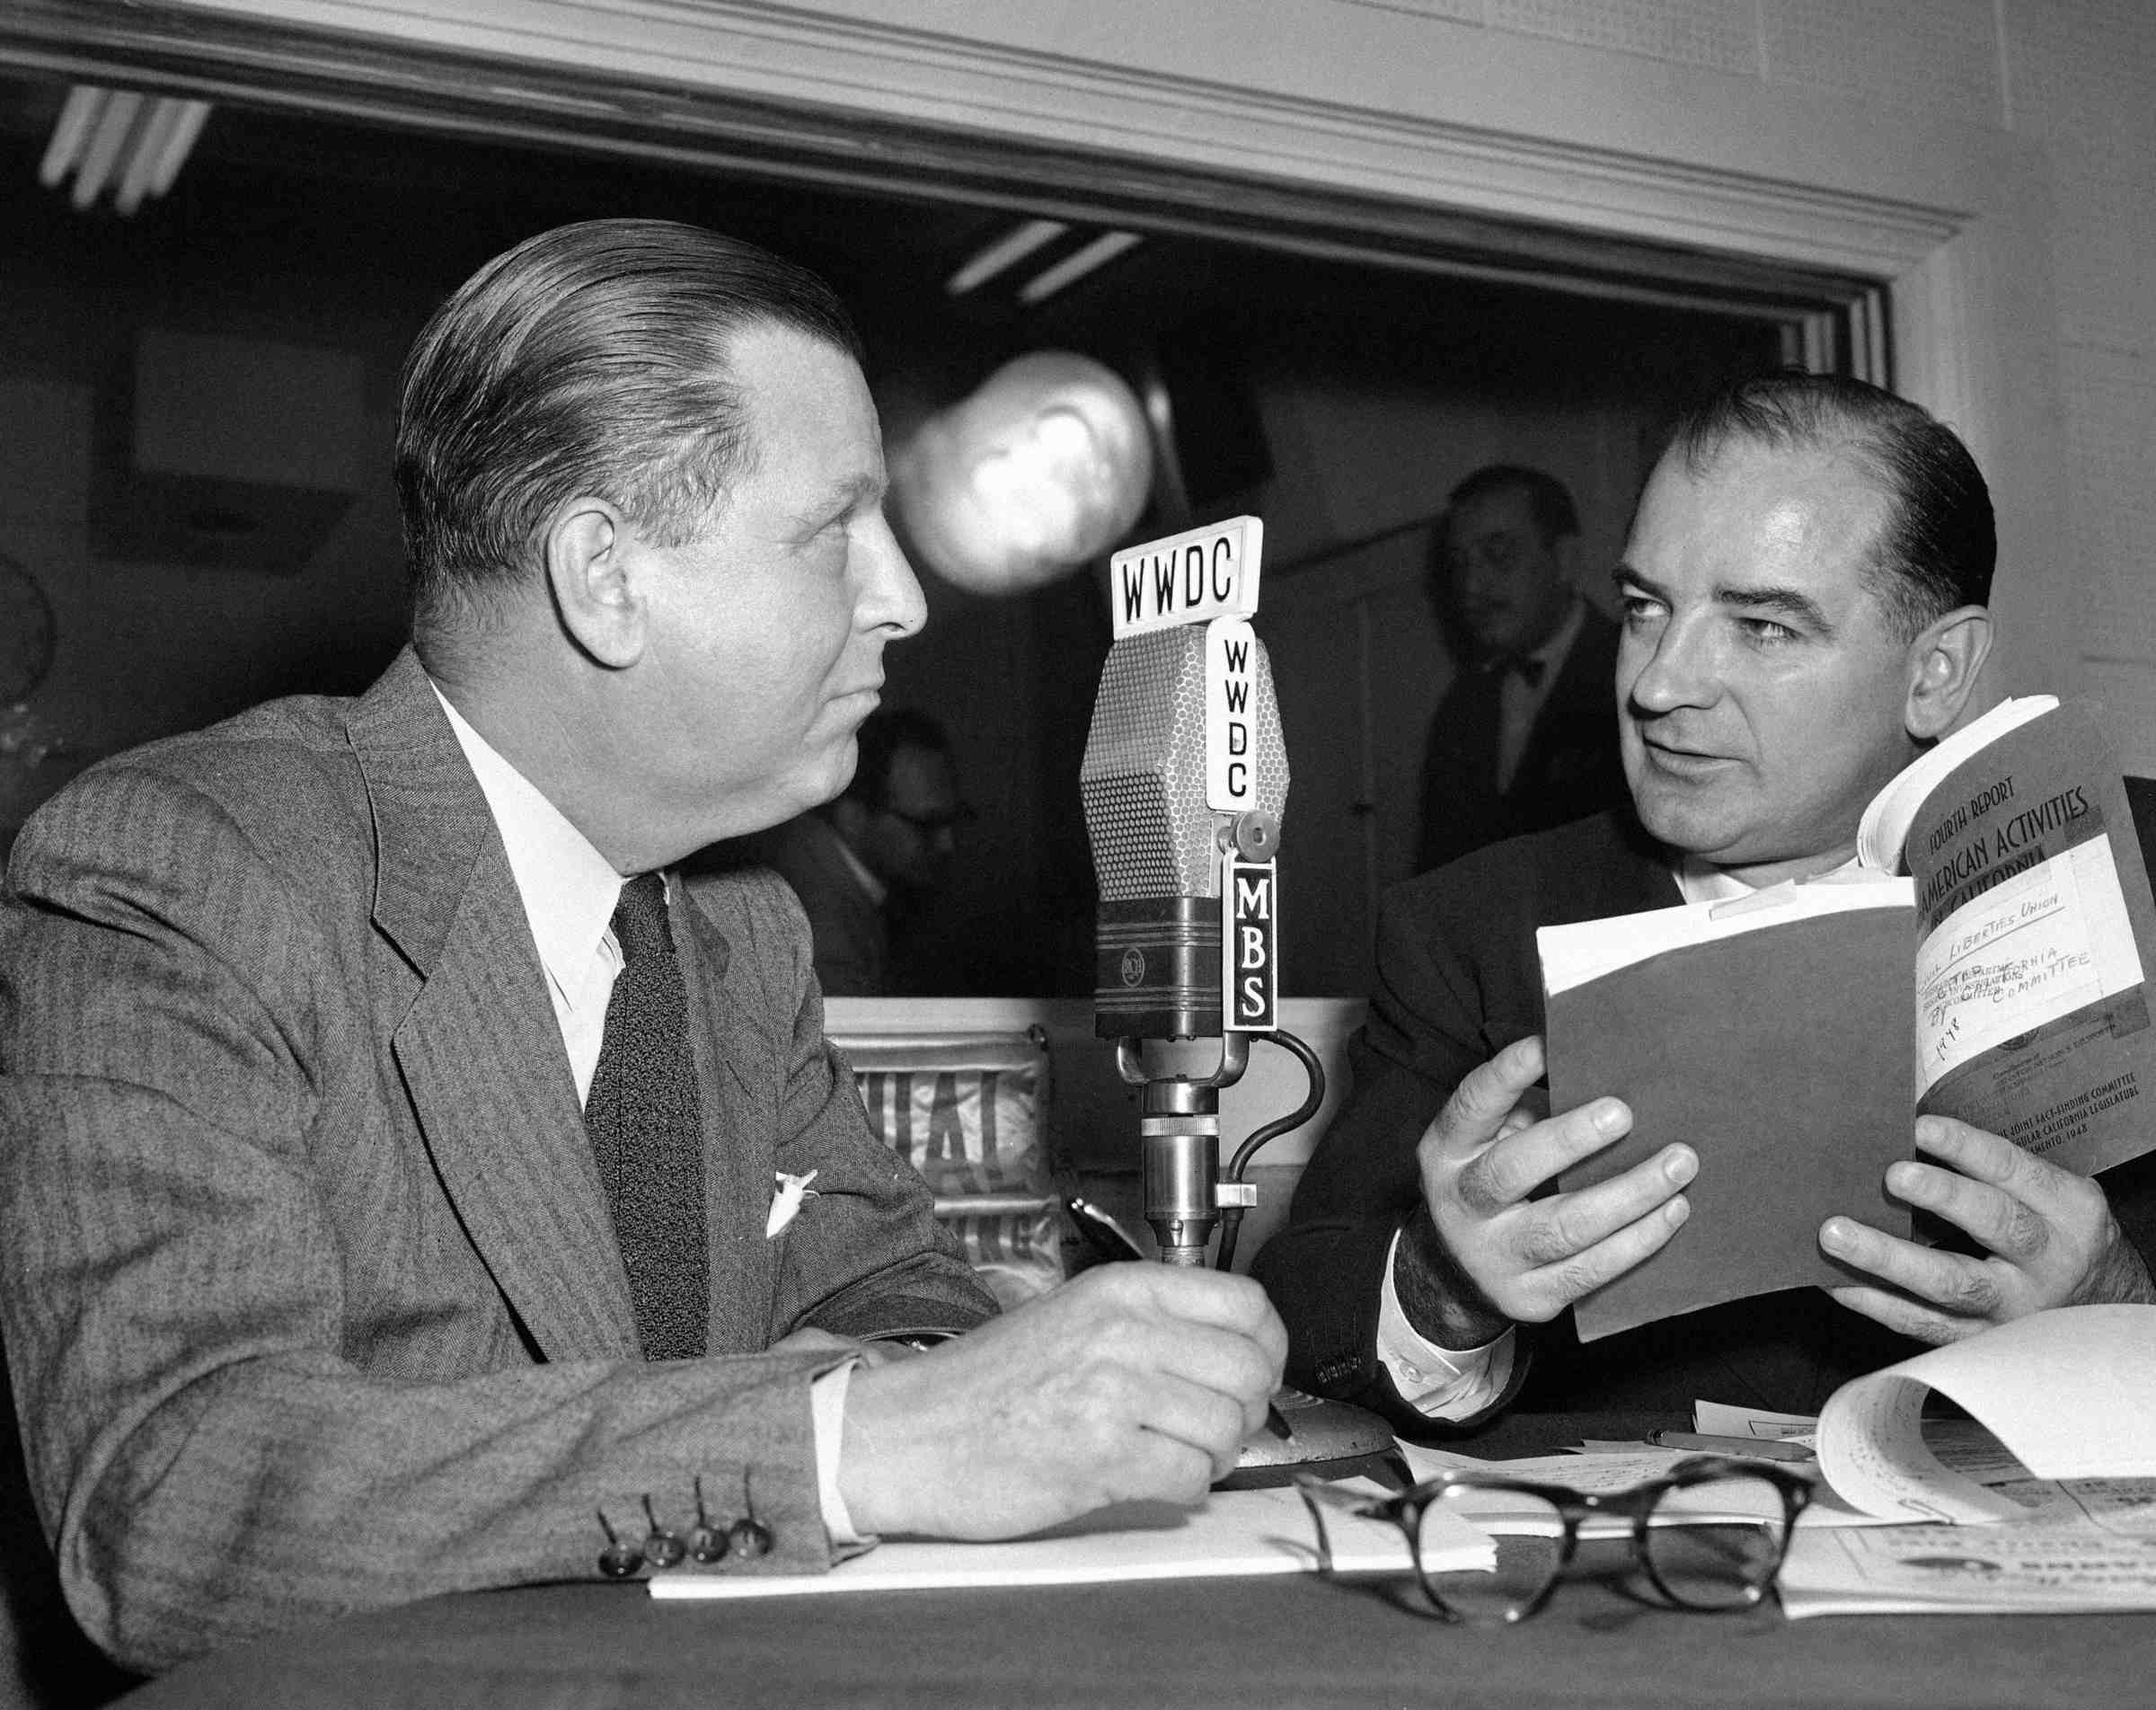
point(1803, 607)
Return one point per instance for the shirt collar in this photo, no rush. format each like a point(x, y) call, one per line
point(568, 888)
point(1701, 881)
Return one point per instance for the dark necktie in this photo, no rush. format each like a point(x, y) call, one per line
point(646, 1124)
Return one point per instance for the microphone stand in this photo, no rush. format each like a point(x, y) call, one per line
point(1186, 1200)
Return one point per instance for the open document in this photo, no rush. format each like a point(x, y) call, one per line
point(2043, 1500)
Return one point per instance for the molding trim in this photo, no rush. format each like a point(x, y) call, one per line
point(784, 88)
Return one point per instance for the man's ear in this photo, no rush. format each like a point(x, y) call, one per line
point(589, 573)
point(1943, 665)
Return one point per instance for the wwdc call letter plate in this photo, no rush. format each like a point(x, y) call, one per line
point(1187, 577)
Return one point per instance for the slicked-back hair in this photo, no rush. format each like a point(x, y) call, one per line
point(1940, 544)
point(590, 360)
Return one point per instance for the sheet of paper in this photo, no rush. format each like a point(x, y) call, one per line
point(2044, 1565)
point(1585, 950)
point(1234, 1534)
point(1719, 1419)
point(2067, 1394)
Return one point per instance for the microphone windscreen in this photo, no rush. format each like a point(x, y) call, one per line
point(1142, 781)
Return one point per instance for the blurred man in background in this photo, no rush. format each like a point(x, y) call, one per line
point(1526, 737)
point(858, 862)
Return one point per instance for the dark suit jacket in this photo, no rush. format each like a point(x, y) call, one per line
point(1457, 981)
point(1569, 768)
point(311, 1290)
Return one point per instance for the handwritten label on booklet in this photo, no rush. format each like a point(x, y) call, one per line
point(2050, 940)
point(1185, 579)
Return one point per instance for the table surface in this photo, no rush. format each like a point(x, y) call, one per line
point(1295, 1641)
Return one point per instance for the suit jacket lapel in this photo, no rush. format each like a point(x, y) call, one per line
point(479, 1047)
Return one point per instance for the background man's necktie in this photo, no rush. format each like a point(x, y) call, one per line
point(646, 1124)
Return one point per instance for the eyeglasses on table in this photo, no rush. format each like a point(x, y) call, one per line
point(1710, 1534)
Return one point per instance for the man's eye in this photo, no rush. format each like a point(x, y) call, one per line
point(1638, 608)
point(1766, 630)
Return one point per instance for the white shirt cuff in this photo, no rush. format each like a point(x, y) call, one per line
point(1438, 1383)
point(827, 1416)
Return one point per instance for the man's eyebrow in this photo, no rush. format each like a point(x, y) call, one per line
point(1789, 602)
point(844, 495)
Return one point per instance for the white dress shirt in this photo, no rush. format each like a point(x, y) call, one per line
point(569, 890)
point(1448, 1384)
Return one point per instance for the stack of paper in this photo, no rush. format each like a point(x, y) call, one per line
point(1234, 1534)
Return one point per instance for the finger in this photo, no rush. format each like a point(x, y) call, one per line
point(1957, 1286)
point(1489, 1094)
point(1549, 1290)
point(1992, 1158)
point(1205, 1420)
point(2000, 1221)
point(1554, 1230)
point(1155, 1467)
point(1189, 1295)
point(1509, 1170)
point(1920, 1322)
point(1223, 1361)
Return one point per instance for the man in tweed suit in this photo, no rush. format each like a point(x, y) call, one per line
point(321, 1291)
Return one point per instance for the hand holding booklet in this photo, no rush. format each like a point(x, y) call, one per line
point(1790, 1036)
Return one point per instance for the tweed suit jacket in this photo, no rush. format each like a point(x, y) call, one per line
point(1568, 768)
point(312, 1294)
point(1457, 981)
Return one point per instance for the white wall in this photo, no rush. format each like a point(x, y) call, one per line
point(1992, 158)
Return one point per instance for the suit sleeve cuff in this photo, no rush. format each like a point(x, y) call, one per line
point(1441, 1384)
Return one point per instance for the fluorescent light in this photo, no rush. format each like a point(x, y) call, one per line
point(1006, 252)
point(113, 125)
point(186, 127)
point(135, 143)
point(70, 132)
point(1076, 265)
point(148, 148)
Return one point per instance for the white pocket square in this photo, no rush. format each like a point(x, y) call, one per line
point(786, 1202)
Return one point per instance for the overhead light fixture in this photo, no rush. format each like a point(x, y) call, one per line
point(1076, 265)
point(135, 143)
point(1007, 252)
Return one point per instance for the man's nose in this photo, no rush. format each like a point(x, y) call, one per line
point(1680, 670)
point(891, 599)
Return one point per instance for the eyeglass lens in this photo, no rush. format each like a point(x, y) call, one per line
point(1714, 1545)
point(1530, 1534)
